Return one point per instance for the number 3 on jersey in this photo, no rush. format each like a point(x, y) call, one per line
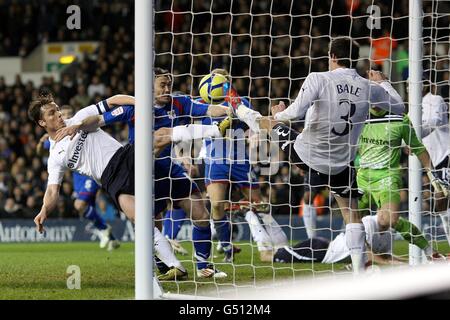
point(349, 108)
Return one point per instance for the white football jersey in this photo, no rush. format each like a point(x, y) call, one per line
point(87, 153)
point(338, 103)
point(380, 242)
point(435, 127)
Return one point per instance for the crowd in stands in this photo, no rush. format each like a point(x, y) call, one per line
point(268, 49)
point(110, 70)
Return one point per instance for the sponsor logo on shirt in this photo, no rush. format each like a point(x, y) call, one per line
point(117, 112)
point(73, 160)
point(171, 114)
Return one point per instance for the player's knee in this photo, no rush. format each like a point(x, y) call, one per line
point(126, 203)
point(217, 209)
point(80, 206)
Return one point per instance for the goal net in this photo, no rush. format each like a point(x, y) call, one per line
point(283, 227)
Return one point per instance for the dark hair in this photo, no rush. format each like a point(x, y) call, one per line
point(161, 72)
point(346, 51)
point(34, 109)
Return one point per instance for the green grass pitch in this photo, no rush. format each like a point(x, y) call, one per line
point(39, 271)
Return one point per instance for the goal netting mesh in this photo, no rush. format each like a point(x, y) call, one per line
point(269, 48)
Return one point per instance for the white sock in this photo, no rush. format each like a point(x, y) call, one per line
point(163, 251)
point(274, 230)
point(355, 236)
point(309, 219)
point(194, 131)
point(428, 250)
point(250, 117)
point(445, 218)
point(259, 234)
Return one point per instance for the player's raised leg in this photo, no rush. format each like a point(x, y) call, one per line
point(165, 136)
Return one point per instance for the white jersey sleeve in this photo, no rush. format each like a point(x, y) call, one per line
point(55, 171)
point(434, 113)
point(384, 96)
point(92, 110)
point(309, 92)
point(435, 128)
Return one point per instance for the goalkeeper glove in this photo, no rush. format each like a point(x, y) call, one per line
point(232, 97)
point(438, 184)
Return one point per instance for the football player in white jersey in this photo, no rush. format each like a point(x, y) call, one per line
point(336, 104)
point(323, 251)
point(95, 154)
point(436, 138)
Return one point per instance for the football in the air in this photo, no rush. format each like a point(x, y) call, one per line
point(211, 88)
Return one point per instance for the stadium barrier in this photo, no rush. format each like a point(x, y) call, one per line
point(69, 230)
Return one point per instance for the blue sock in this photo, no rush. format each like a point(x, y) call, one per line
point(92, 215)
point(223, 229)
point(201, 236)
point(173, 220)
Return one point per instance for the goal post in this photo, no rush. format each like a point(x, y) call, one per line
point(144, 289)
point(415, 113)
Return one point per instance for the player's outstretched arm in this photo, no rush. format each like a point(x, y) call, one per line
point(215, 110)
point(382, 259)
point(50, 201)
point(309, 92)
point(40, 150)
point(433, 116)
point(383, 95)
point(89, 124)
point(120, 99)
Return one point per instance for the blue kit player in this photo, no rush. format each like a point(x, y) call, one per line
point(226, 165)
point(85, 191)
point(171, 181)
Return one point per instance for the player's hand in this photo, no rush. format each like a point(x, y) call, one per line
point(43, 138)
point(407, 151)
point(376, 76)
point(278, 108)
point(439, 185)
point(39, 222)
point(67, 131)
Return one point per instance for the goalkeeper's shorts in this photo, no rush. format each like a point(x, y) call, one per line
point(343, 184)
point(380, 186)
